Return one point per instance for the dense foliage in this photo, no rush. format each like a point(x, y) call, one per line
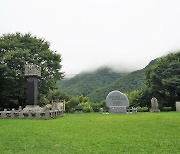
point(83, 102)
point(96, 85)
point(86, 83)
point(163, 79)
point(125, 83)
point(16, 50)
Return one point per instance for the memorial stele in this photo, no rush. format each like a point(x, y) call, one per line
point(117, 102)
point(32, 109)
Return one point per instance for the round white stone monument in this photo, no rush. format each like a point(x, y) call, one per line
point(117, 102)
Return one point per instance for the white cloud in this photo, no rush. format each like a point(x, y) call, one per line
point(92, 33)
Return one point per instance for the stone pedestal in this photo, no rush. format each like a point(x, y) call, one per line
point(154, 110)
point(117, 109)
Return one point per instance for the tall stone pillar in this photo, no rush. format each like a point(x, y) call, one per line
point(32, 72)
point(32, 90)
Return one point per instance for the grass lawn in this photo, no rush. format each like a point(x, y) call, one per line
point(93, 133)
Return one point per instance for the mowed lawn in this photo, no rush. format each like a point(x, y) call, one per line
point(93, 133)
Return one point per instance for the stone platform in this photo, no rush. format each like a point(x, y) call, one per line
point(31, 112)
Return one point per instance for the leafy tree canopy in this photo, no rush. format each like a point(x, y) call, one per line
point(163, 79)
point(18, 49)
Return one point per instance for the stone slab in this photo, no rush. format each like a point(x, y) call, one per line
point(116, 98)
point(178, 106)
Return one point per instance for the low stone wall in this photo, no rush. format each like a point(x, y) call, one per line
point(119, 109)
point(16, 114)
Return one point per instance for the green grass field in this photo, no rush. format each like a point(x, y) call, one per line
point(93, 133)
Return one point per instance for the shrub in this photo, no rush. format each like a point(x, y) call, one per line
point(96, 106)
point(71, 104)
point(142, 109)
point(166, 109)
point(72, 110)
point(86, 107)
point(43, 100)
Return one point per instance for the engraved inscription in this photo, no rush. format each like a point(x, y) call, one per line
point(116, 98)
point(32, 70)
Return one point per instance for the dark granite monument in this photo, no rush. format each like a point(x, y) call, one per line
point(33, 72)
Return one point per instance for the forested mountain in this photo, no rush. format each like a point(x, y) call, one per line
point(86, 83)
point(96, 85)
point(126, 83)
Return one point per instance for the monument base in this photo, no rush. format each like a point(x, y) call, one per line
point(32, 112)
point(117, 109)
point(33, 108)
point(154, 110)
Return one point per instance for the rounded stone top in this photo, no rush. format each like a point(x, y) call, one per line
point(116, 98)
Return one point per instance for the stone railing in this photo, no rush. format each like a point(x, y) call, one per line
point(20, 114)
point(131, 110)
point(118, 109)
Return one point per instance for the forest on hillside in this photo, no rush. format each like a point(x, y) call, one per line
point(160, 78)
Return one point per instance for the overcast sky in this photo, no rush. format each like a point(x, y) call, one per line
point(126, 34)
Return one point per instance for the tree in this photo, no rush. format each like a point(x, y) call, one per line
point(16, 50)
point(58, 95)
point(163, 79)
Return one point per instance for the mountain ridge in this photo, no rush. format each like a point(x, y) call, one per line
point(97, 84)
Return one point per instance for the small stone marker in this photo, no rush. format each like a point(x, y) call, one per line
point(4, 113)
point(154, 105)
point(117, 102)
point(20, 108)
point(21, 115)
point(38, 115)
point(178, 106)
point(12, 113)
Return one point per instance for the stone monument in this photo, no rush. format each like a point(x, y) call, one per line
point(154, 105)
point(178, 106)
point(33, 72)
point(32, 109)
point(117, 102)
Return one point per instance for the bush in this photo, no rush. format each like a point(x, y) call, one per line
point(96, 106)
point(43, 100)
point(86, 107)
point(71, 104)
point(133, 97)
point(72, 110)
point(142, 109)
point(166, 109)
